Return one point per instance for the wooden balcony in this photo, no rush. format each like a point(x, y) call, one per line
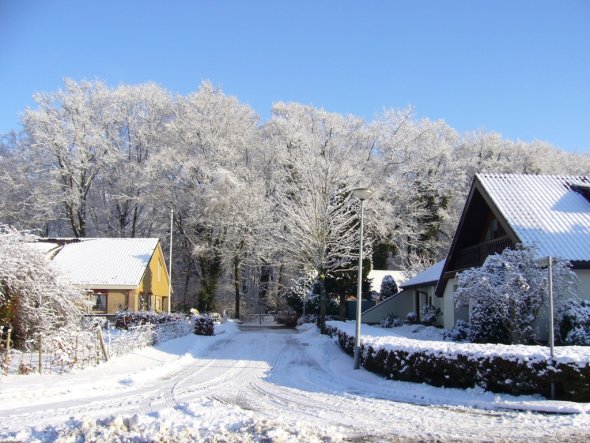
point(474, 256)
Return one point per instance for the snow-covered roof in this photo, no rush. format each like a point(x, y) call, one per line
point(376, 277)
point(105, 263)
point(45, 248)
point(544, 210)
point(428, 275)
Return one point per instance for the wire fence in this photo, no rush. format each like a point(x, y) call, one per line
point(89, 345)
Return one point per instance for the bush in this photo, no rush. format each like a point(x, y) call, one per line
point(288, 319)
point(126, 319)
point(573, 322)
point(506, 373)
point(308, 318)
point(428, 315)
point(34, 297)
point(388, 287)
point(391, 321)
point(204, 326)
point(411, 318)
point(459, 333)
point(506, 294)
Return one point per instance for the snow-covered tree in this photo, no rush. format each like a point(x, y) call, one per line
point(507, 292)
point(136, 131)
point(34, 297)
point(388, 287)
point(322, 157)
point(203, 175)
point(68, 139)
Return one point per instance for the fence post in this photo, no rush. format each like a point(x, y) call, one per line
point(40, 353)
point(7, 348)
point(102, 347)
point(76, 350)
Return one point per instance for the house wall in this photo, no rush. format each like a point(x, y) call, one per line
point(403, 303)
point(155, 280)
point(437, 302)
point(133, 301)
point(116, 300)
point(541, 325)
point(584, 283)
point(398, 305)
point(451, 313)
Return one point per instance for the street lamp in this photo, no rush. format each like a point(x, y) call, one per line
point(548, 261)
point(362, 194)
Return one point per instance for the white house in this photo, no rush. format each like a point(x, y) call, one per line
point(416, 293)
point(551, 213)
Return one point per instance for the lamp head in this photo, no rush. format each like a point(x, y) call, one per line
point(362, 193)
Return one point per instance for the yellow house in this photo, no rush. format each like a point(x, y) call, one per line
point(119, 273)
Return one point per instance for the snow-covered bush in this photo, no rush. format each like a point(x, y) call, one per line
point(204, 326)
point(516, 370)
point(34, 297)
point(411, 318)
point(126, 319)
point(388, 287)
point(506, 294)
point(307, 318)
point(391, 321)
point(573, 322)
point(428, 315)
point(459, 333)
point(164, 326)
point(287, 318)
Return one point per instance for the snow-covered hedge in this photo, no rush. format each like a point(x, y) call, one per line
point(497, 368)
point(164, 326)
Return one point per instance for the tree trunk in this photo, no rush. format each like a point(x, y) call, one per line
point(342, 307)
point(237, 286)
point(322, 316)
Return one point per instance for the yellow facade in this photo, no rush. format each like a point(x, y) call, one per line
point(151, 293)
point(153, 286)
point(116, 300)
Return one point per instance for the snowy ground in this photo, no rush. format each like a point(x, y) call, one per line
point(263, 385)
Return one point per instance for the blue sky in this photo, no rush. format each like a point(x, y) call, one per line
point(520, 67)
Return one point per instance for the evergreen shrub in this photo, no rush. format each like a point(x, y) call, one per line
point(428, 315)
point(497, 373)
point(573, 322)
point(391, 321)
point(126, 319)
point(459, 333)
point(204, 326)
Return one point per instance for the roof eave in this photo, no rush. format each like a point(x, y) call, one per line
point(92, 286)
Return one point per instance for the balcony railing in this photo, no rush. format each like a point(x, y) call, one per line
point(474, 256)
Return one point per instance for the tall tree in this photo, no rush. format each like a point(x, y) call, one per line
point(67, 135)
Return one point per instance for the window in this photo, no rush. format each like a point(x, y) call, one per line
point(145, 301)
point(100, 301)
point(493, 230)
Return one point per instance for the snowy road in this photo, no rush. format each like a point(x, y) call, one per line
point(276, 384)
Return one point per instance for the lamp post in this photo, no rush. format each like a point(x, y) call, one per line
point(362, 194)
point(551, 331)
point(548, 261)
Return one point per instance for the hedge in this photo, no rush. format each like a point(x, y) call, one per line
point(495, 373)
